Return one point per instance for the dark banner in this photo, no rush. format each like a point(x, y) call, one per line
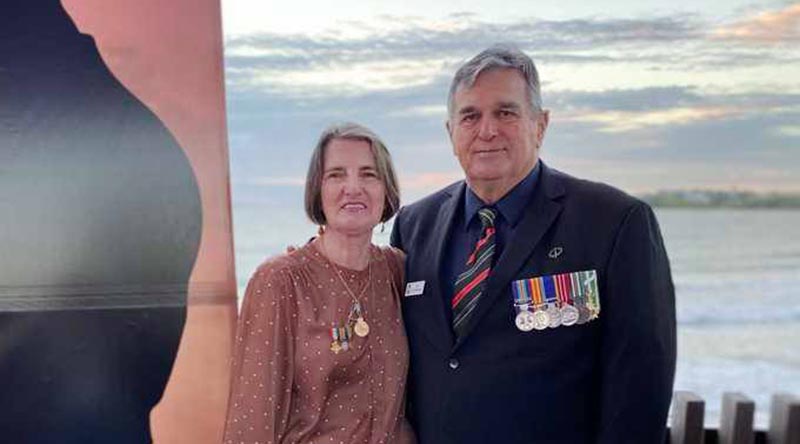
point(117, 288)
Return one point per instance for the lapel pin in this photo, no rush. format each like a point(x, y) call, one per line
point(555, 252)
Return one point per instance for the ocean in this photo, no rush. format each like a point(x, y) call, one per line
point(737, 283)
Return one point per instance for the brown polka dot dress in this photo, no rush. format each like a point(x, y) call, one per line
point(288, 386)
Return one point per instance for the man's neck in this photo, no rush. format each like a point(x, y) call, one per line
point(491, 191)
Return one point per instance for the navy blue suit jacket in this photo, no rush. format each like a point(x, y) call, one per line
point(606, 381)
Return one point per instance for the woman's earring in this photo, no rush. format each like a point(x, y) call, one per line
point(321, 230)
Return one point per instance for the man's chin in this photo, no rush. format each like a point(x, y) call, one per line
point(486, 175)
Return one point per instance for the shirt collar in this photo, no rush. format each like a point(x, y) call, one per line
point(510, 206)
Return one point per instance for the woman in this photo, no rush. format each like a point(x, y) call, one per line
point(321, 354)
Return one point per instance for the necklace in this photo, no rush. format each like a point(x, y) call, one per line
point(356, 315)
point(355, 318)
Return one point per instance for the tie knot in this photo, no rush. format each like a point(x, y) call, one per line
point(487, 215)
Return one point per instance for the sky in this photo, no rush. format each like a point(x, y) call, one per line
point(643, 95)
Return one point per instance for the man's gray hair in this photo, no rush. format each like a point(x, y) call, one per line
point(497, 57)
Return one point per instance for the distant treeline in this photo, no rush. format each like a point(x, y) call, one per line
point(722, 199)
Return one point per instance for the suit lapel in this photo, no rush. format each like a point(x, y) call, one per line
point(536, 220)
point(441, 332)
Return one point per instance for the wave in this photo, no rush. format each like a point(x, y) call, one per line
point(716, 316)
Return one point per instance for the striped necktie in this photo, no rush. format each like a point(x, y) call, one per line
point(470, 283)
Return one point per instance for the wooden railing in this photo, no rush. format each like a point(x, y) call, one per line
point(736, 421)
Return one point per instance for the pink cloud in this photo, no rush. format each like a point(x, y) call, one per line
point(768, 27)
point(430, 181)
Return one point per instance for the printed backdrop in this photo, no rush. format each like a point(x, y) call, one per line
point(117, 293)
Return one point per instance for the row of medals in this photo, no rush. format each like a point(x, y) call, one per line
point(355, 324)
point(552, 315)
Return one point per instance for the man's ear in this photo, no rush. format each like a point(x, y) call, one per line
point(541, 125)
point(450, 134)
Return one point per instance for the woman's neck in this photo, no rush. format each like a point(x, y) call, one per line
point(345, 250)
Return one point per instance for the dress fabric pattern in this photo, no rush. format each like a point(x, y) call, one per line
point(288, 386)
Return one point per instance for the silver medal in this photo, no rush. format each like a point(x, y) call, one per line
point(553, 315)
point(540, 320)
point(583, 314)
point(525, 320)
point(569, 315)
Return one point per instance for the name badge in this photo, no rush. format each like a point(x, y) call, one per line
point(415, 288)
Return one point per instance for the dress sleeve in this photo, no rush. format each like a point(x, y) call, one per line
point(263, 360)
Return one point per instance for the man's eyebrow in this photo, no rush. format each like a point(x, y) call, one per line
point(467, 110)
point(509, 105)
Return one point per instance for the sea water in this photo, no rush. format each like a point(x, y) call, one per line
point(737, 283)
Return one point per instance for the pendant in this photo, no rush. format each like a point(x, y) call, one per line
point(335, 347)
point(361, 328)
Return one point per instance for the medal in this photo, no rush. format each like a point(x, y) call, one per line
point(584, 314)
point(540, 320)
point(336, 347)
point(347, 333)
point(355, 319)
point(553, 316)
point(361, 328)
point(569, 315)
point(524, 320)
point(550, 296)
point(578, 298)
point(591, 293)
point(522, 299)
point(557, 300)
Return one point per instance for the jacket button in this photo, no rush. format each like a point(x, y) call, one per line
point(453, 363)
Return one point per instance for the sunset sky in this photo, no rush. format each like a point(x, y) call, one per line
point(644, 95)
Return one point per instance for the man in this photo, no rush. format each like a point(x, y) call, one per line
point(539, 307)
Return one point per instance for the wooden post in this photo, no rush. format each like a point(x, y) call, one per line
point(784, 423)
point(736, 423)
point(688, 410)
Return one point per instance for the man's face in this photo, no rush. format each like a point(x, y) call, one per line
point(495, 135)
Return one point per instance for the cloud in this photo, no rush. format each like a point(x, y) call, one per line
point(427, 181)
point(400, 52)
point(281, 181)
point(624, 121)
point(781, 26)
point(651, 94)
point(626, 110)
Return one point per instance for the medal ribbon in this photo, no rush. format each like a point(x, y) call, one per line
point(522, 292)
point(550, 289)
point(537, 288)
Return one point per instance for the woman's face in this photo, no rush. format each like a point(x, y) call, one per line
point(353, 194)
